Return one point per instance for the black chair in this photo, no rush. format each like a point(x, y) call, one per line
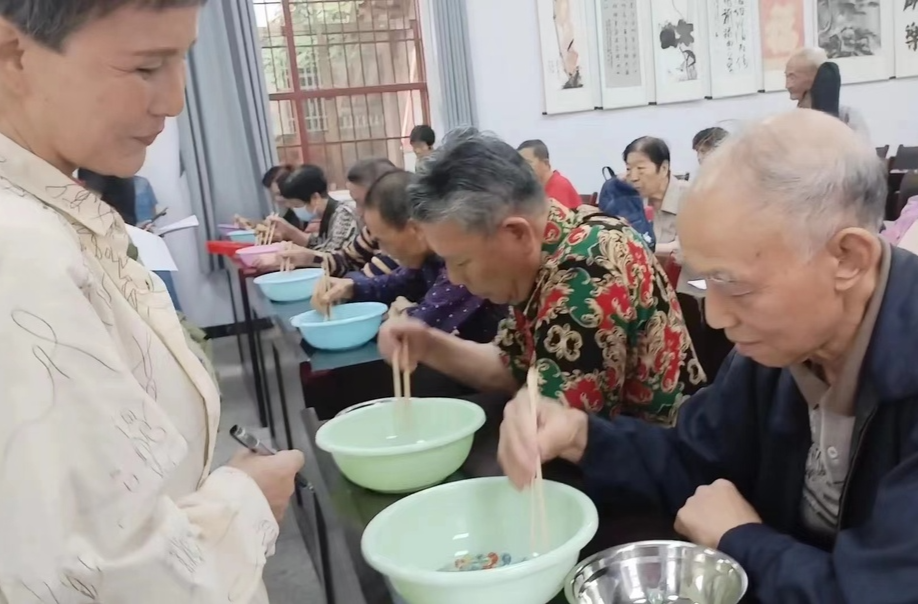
point(907, 190)
point(906, 158)
point(883, 152)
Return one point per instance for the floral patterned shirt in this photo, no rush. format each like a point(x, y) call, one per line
point(602, 324)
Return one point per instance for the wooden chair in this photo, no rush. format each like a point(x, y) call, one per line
point(907, 190)
point(590, 199)
point(883, 152)
point(906, 158)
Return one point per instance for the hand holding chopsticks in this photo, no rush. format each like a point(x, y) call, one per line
point(539, 529)
point(401, 380)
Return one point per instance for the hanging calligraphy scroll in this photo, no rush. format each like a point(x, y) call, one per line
point(905, 21)
point(679, 49)
point(566, 73)
point(625, 53)
point(782, 30)
point(859, 36)
point(734, 47)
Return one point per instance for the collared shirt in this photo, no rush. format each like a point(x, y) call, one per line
point(561, 190)
point(362, 255)
point(602, 324)
point(110, 418)
point(832, 419)
point(664, 221)
point(439, 303)
point(341, 230)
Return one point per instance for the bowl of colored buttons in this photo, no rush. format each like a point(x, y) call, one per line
point(474, 541)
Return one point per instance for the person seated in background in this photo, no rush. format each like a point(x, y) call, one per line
point(556, 186)
point(591, 309)
point(271, 181)
point(707, 140)
point(305, 191)
point(649, 172)
point(362, 254)
point(422, 278)
point(422, 140)
point(799, 76)
point(800, 461)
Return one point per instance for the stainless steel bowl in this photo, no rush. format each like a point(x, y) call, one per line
point(657, 572)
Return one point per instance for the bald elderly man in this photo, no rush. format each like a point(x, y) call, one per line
point(801, 459)
point(799, 75)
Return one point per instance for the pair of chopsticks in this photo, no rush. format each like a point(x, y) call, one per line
point(401, 380)
point(286, 264)
point(538, 530)
point(322, 288)
point(267, 236)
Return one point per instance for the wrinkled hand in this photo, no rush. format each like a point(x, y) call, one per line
point(406, 337)
point(712, 511)
point(274, 474)
point(301, 256)
point(557, 432)
point(267, 262)
point(398, 308)
point(283, 230)
point(338, 290)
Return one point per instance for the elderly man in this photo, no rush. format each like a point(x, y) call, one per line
point(556, 185)
point(801, 459)
point(799, 76)
point(592, 310)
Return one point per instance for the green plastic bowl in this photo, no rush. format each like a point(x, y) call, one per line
point(413, 539)
point(382, 448)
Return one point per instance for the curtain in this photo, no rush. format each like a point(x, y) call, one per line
point(226, 139)
point(450, 22)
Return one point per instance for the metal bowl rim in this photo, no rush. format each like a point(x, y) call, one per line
point(569, 579)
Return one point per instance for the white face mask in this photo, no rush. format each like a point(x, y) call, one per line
point(304, 214)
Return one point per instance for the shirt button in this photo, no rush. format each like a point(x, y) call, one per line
point(832, 453)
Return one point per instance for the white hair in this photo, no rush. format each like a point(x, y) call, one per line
point(807, 167)
point(811, 56)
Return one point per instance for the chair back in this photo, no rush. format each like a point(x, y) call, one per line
point(882, 152)
point(589, 199)
point(906, 158)
point(907, 190)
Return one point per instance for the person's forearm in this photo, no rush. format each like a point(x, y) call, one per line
point(476, 365)
point(665, 249)
point(300, 238)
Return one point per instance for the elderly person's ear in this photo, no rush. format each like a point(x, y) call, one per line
point(856, 252)
point(11, 51)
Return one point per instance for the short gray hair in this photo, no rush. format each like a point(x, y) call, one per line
point(477, 180)
point(807, 166)
point(811, 56)
point(51, 22)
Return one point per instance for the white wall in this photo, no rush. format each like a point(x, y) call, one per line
point(204, 297)
point(504, 38)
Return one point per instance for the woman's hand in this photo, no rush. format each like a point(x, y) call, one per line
point(339, 290)
point(300, 256)
point(405, 334)
point(398, 308)
point(525, 442)
point(274, 474)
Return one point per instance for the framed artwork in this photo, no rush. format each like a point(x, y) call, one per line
point(782, 30)
point(679, 50)
point(565, 43)
point(858, 35)
point(734, 48)
point(625, 53)
point(905, 21)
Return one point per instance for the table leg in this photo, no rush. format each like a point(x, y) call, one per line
point(229, 279)
point(253, 349)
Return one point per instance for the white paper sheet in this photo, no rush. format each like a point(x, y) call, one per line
point(152, 251)
point(185, 223)
point(699, 284)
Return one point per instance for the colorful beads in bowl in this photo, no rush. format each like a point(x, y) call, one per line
point(487, 561)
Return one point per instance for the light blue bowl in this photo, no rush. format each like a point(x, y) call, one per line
point(242, 236)
point(350, 326)
point(292, 286)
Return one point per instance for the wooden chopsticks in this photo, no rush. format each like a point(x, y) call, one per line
point(538, 531)
point(286, 264)
point(401, 380)
point(267, 236)
point(322, 289)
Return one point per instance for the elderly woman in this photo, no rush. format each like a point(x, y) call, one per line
point(648, 160)
point(305, 192)
point(591, 310)
point(801, 459)
point(107, 493)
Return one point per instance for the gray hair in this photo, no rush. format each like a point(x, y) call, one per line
point(51, 22)
point(811, 56)
point(477, 180)
point(806, 166)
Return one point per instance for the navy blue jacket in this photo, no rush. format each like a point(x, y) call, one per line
point(751, 427)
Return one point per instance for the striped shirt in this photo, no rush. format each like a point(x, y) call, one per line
point(361, 254)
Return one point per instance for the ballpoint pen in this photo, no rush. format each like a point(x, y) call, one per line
point(253, 444)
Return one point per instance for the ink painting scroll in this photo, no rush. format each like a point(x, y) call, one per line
point(565, 44)
point(782, 30)
point(733, 43)
point(858, 35)
point(680, 50)
point(905, 22)
point(625, 53)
